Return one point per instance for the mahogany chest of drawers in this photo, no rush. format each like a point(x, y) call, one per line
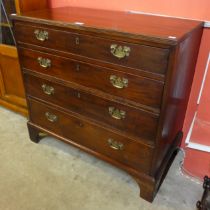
point(115, 84)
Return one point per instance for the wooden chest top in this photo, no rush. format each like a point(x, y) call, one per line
point(137, 26)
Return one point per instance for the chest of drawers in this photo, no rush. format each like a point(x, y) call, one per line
point(114, 84)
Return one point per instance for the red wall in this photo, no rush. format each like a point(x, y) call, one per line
point(196, 162)
point(185, 8)
point(198, 78)
point(201, 131)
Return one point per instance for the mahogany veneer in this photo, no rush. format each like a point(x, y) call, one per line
point(114, 84)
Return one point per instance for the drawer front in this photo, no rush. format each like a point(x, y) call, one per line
point(105, 142)
point(142, 57)
point(134, 88)
point(129, 120)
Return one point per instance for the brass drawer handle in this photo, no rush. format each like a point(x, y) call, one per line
point(41, 35)
point(117, 113)
point(118, 82)
point(51, 117)
point(115, 145)
point(48, 90)
point(120, 51)
point(44, 62)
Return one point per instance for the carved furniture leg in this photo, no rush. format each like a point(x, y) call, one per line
point(147, 189)
point(150, 186)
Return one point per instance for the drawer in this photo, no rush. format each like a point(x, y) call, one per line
point(136, 56)
point(127, 86)
point(100, 140)
point(127, 119)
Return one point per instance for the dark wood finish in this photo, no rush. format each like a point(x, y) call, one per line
point(34, 134)
point(142, 179)
point(86, 60)
point(176, 94)
point(137, 123)
point(97, 48)
point(155, 29)
point(160, 73)
point(97, 78)
point(92, 136)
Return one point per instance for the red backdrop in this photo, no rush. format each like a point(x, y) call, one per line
point(185, 8)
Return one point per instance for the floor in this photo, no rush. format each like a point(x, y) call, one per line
point(54, 176)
